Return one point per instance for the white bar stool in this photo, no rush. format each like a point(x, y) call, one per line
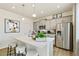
point(26, 50)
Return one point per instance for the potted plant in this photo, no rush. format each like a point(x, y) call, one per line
point(41, 36)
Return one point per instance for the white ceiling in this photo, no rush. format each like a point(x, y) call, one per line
point(27, 10)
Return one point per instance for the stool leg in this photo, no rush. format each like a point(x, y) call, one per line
point(15, 51)
point(26, 50)
point(10, 50)
point(7, 51)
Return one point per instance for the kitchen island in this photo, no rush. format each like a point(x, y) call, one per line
point(44, 48)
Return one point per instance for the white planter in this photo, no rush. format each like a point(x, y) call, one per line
point(41, 39)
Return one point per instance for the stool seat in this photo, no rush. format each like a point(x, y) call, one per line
point(20, 50)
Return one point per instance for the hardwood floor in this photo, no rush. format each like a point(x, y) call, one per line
point(3, 52)
point(61, 52)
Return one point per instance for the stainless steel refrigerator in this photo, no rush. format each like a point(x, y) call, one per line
point(64, 36)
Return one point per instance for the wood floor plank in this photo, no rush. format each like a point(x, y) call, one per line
point(61, 52)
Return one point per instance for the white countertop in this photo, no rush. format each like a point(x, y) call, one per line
point(29, 40)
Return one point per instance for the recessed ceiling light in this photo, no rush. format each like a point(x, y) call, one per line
point(22, 18)
point(58, 6)
point(13, 7)
point(33, 5)
point(34, 15)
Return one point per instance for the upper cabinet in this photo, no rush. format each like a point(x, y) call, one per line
point(51, 23)
point(48, 24)
point(42, 22)
point(67, 19)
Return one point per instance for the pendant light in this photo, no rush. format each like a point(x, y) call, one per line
point(34, 14)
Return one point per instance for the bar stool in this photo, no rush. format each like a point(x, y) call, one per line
point(11, 50)
point(21, 49)
point(26, 50)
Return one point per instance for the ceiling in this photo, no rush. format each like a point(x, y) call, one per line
point(41, 9)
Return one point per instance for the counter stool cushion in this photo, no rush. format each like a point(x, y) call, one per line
point(20, 49)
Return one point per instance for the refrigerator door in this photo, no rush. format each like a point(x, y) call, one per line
point(66, 35)
point(59, 41)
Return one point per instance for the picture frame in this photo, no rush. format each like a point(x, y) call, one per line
point(11, 26)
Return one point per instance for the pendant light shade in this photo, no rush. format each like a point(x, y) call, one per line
point(34, 15)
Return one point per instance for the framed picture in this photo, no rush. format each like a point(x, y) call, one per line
point(59, 15)
point(55, 16)
point(12, 26)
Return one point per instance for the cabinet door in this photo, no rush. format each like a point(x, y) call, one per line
point(48, 25)
point(59, 26)
point(53, 24)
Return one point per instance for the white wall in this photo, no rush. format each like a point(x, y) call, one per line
point(25, 27)
point(74, 28)
point(77, 28)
